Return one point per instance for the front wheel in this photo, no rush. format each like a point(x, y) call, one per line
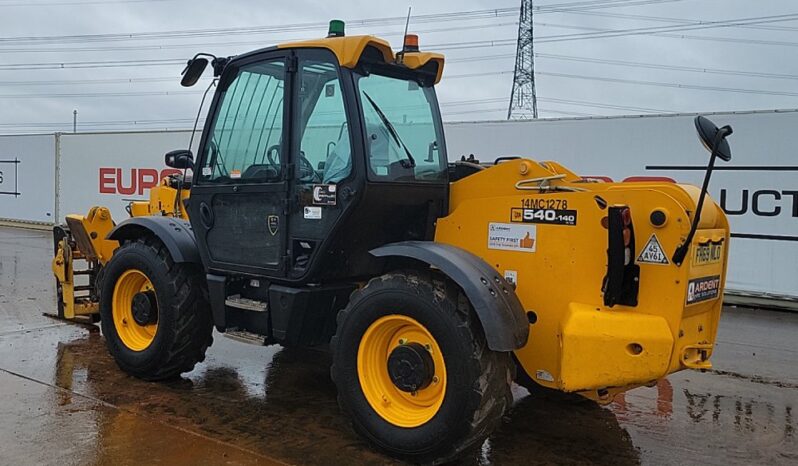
point(155, 313)
point(413, 369)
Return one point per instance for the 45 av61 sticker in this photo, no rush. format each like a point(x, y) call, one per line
point(545, 216)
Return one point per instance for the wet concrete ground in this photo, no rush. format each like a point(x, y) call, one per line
point(64, 401)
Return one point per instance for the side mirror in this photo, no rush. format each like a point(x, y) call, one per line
point(193, 71)
point(180, 159)
point(714, 138)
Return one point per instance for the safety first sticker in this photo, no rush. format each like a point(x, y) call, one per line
point(512, 237)
point(703, 289)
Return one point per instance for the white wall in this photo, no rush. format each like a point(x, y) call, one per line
point(111, 169)
point(27, 178)
point(764, 167)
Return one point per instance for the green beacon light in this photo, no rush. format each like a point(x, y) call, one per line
point(336, 28)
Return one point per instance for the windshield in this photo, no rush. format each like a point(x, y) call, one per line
point(404, 137)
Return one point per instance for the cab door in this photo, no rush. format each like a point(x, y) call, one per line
point(238, 199)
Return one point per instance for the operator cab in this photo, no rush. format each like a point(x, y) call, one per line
point(313, 154)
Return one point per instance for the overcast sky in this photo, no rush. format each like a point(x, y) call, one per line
point(576, 75)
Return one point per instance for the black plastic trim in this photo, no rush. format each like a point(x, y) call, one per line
point(176, 235)
point(494, 300)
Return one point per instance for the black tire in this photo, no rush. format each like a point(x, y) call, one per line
point(184, 318)
point(475, 398)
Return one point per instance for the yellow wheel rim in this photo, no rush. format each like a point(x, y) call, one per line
point(398, 407)
point(133, 335)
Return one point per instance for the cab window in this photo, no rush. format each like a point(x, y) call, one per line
point(325, 153)
point(246, 137)
point(403, 133)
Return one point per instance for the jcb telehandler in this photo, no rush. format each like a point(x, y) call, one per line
point(322, 209)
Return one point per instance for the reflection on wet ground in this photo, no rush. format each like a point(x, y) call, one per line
point(65, 401)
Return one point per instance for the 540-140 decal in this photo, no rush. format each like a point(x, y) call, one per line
point(544, 216)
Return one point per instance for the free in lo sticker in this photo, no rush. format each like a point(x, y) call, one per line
point(653, 253)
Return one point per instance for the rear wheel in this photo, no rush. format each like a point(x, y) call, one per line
point(413, 369)
point(155, 313)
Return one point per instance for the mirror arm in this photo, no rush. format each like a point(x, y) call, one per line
point(681, 251)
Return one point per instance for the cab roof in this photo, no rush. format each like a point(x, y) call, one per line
point(349, 49)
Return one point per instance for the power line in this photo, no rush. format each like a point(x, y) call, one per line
point(91, 64)
point(671, 85)
point(100, 94)
point(666, 19)
point(685, 36)
point(194, 45)
point(584, 103)
point(76, 82)
point(360, 23)
point(76, 3)
point(659, 66)
point(182, 61)
point(671, 28)
point(356, 23)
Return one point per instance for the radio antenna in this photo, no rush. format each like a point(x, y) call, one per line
point(407, 25)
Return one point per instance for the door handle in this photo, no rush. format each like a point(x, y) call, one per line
point(206, 215)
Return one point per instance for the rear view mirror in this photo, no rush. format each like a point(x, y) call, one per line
point(193, 71)
point(180, 159)
point(714, 138)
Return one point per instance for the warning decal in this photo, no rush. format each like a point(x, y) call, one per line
point(653, 253)
point(512, 237)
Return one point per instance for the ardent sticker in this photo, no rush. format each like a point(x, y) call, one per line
point(512, 237)
point(703, 289)
point(653, 253)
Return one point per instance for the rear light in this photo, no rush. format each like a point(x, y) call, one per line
point(411, 43)
point(621, 283)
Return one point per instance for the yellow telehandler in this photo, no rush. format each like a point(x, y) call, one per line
point(322, 209)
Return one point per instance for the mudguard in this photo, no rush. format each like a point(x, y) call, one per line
point(176, 234)
point(494, 300)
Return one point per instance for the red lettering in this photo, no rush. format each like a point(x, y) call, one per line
point(107, 180)
point(141, 179)
point(148, 178)
point(120, 186)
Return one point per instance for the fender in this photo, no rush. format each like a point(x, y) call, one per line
point(176, 234)
point(494, 300)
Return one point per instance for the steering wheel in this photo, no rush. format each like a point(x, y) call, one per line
point(306, 170)
point(273, 149)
